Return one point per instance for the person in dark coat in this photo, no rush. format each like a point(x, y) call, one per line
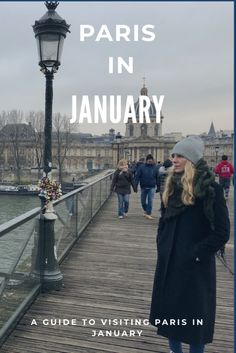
point(162, 175)
point(139, 164)
point(132, 167)
point(121, 184)
point(194, 225)
point(147, 177)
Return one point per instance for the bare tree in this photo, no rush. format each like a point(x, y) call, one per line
point(62, 140)
point(3, 119)
point(3, 122)
point(36, 119)
point(15, 118)
point(15, 135)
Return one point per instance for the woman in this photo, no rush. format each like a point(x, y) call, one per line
point(121, 182)
point(194, 225)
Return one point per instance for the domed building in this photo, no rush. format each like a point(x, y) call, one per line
point(152, 129)
point(142, 139)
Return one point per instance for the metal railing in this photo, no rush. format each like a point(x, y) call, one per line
point(20, 273)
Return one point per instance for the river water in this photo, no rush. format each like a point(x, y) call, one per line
point(13, 206)
point(10, 244)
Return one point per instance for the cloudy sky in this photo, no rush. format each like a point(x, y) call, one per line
point(190, 61)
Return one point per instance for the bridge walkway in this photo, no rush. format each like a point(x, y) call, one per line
point(108, 275)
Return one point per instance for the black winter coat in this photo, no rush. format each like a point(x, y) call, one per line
point(184, 288)
point(121, 182)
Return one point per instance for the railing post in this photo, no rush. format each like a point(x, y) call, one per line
point(100, 192)
point(109, 184)
point(91, 198)
point(107, 193)
point(76, 215)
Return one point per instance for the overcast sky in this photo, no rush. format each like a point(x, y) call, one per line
point(190, 61)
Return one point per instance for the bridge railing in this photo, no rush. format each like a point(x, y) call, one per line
point(21, 247)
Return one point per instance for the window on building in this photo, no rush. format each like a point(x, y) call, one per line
point(144, 130)
point(156, 130)
point(131, 130)
point(89, 165)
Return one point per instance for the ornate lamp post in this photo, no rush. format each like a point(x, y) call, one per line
point(50, 32)
point(118, 141)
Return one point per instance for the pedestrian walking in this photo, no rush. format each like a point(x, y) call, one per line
point(132, 167)
point(121, 184)
point(225, 170)
point(147, 175)
point(138, 165)
point(194, 225)
point(159, 165)
point(164, 170)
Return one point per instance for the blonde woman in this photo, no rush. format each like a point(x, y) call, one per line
point(194, 225)
point(121, 184)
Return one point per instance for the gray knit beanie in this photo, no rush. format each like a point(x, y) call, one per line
point(191, 148)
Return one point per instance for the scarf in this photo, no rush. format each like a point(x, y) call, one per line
point(175, 205)
point(202, 189)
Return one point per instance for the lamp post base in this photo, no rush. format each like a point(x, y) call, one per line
point(51, 280)
point(46, 267)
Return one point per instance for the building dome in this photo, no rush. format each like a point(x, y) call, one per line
point(144, 91)
point(141, 128)
point(152, 109)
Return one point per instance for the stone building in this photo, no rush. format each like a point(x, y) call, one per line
point(89, 153)
point(21, 153)
point(218, 144)
point(16, 150)
point(21, 148)
point(144, 138)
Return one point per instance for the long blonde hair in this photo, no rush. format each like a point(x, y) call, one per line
point(187, 196)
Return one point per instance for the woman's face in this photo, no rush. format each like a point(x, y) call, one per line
point(178, 163)
point(124, 166)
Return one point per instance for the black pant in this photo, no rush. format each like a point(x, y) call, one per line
point(225, 183)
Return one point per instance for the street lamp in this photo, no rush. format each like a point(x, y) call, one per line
point(118, 141)
point(217, 150)
point(50, 32)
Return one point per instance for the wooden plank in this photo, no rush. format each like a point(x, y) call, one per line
point(109, 274)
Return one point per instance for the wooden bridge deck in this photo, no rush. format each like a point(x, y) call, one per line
point(109, 274)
